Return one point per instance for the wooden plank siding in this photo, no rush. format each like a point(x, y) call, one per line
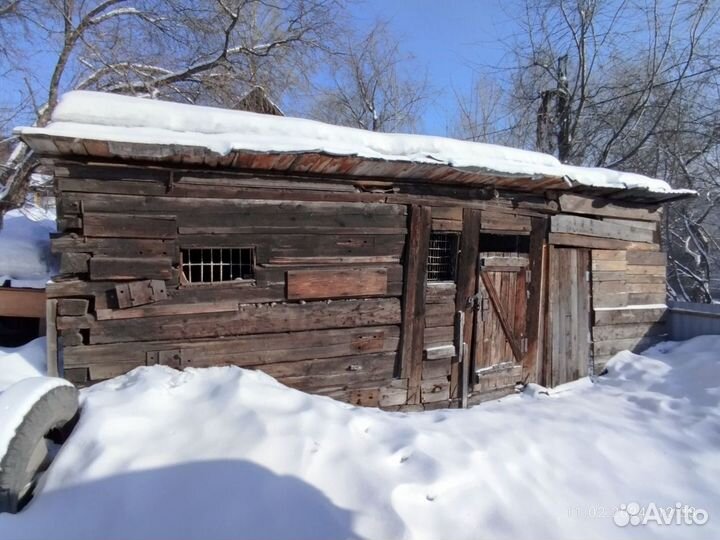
point(338, 302)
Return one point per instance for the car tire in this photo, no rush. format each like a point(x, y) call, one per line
point(27, 453)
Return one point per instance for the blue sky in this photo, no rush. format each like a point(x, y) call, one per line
point(449, 38)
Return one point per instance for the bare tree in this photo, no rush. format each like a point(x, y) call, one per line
point(630, 85)
point(197, 51)
point(483, 114)
point(373, 87)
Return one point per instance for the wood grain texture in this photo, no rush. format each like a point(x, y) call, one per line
point(466, 288)
point(129, 226)
point(126, 268)
point(413, 312)
point(579, 204)
point(602, 229)
point(251, 319)
point(345, 283)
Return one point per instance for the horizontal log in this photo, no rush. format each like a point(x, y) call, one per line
point(660, 287)
point(439, 314)
point(618, 299)
point(453, 213)
point(446, 225)
point(609, 266)
point(72, 306)
point(248, 350)
point(129, 226)
point(629, 316)
point(329, 261)
point(499, 261)
point(647, 298)
point(436, 368)
point(609, 255)
point(123, 247)
point(188, 206)
point(608, 348)
point(600, 277)
point(440, 293)
point(345, 372)
point(608, 287)
point(602, 229)
point(491, 221)
point(649, 225)
point(644, 278)
point(73, 263)
point(649, 258)
point(112, 268)
point(22, 302)
point(270, 247)
point(160, 310)
point(251, 320)
point(439, 351)
point(439, 335)
point(357, 366)
point(346, 283)
point(594, 206)
point(432, 390)
point(578, 240)
point(309, 229)
point(392, 395)
point(646, 270)
point(614, 332)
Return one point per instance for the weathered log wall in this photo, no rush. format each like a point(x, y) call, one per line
point(339, 303)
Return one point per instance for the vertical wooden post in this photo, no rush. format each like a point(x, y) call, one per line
point(466, 285)
point(536, 300)
point(413, 313)
point(51, 338)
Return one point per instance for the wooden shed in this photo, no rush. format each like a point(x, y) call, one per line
point(384, 270)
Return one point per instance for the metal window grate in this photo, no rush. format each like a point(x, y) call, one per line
point(217, 265)
point(442, 257)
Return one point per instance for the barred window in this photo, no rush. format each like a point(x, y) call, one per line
point(217, 265)
point(442, 256)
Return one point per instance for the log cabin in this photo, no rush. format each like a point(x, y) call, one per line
point(397, 271)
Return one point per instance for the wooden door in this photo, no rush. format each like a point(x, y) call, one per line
point(568, 336)
point(500, 337)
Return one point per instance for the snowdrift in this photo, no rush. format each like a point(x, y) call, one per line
point(227, 453)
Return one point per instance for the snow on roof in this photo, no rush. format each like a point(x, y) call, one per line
point(117, 118)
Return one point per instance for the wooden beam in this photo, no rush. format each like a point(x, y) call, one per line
point(22, 302)
point(51, 339)
point(594, 242)
point(466, 284)
point(336, 283)
point(536, 299)
point(602, 229)
point(413, 312)
point(578, 204)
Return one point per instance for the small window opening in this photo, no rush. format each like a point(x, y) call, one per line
point(442, 256)
point(502, 243)
point(217, 265)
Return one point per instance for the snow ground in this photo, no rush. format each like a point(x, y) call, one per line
point(22, 362)
point(227, 453)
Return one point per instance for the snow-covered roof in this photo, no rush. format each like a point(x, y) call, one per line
point(95, 116)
